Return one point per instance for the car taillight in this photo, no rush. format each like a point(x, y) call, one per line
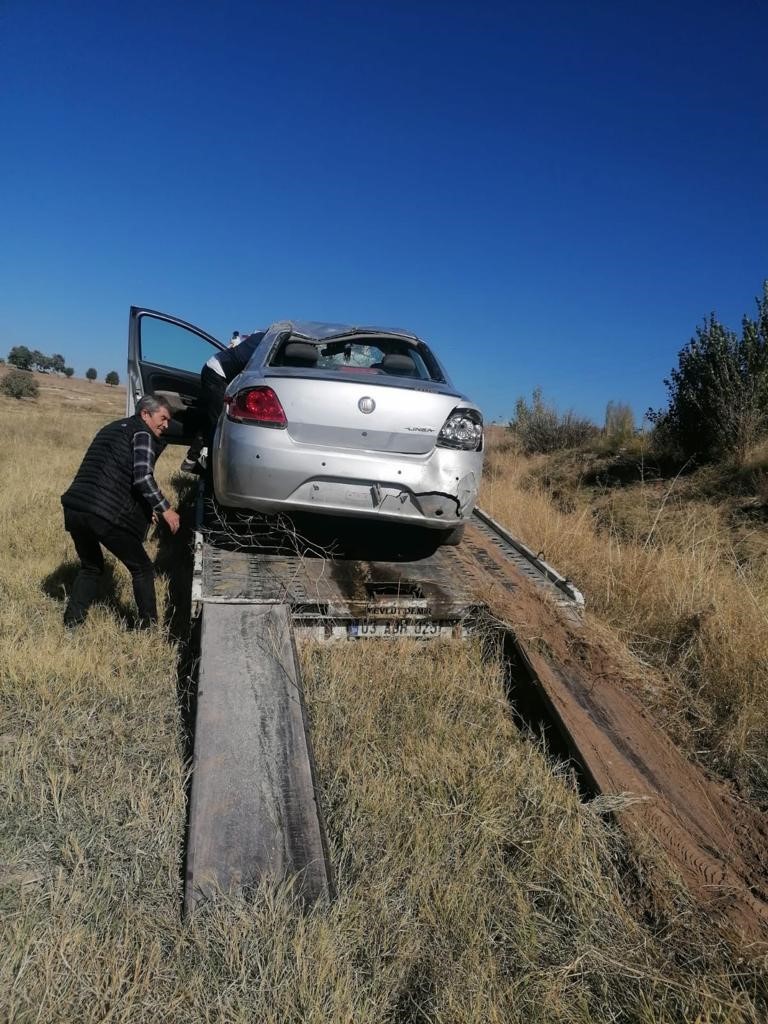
point(463, 429)
point(256, 405)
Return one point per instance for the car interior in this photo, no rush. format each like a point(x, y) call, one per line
point(304, 354)
point(397, 363)
point(297, 353)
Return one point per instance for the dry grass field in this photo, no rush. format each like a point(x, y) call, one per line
point(677, 569)
point(474, 885)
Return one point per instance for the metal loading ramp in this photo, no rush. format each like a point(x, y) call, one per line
point(378, 586)
point(254, 811)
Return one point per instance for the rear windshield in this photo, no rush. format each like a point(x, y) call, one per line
point(369, 357)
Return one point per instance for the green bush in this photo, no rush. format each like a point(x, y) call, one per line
point(541, 428)
point(19, 384)
point(91, 373)
point(718, 393)
point(112, 378)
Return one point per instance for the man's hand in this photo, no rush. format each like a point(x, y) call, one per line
point(172, 520)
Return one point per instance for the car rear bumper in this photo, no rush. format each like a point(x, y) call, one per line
point(264, 469)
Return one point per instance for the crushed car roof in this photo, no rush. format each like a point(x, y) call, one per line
point(316, 331)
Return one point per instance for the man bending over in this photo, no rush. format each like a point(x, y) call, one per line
point(111, 503)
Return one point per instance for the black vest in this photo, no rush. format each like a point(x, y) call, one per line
point(234, 360)
point(103, 484)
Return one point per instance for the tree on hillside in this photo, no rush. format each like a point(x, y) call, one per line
point(21, 357)
point(41, 362)
point(91, 374)
point(619, 422)
point(69, 371)
point(112, 378)
point(26, 359)
point(718, 393)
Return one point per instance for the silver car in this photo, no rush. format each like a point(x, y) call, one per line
point(330, 419)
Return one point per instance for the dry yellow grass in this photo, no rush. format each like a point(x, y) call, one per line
point(474, 885)
point(667, 577)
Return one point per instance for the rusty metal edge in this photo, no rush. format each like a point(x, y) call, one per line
point(563, 584)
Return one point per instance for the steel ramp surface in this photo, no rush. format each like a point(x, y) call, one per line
point(254, 812)
point(377, 581)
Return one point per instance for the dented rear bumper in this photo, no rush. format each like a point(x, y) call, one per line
point(265, 470)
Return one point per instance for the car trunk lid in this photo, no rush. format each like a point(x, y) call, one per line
point(323, 410)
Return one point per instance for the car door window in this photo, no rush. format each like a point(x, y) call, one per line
point(168, 344)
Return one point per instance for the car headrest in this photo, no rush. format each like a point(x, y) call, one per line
point(395, 362)
point(300, 353)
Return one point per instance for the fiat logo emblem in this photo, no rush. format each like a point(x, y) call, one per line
point(366, 404)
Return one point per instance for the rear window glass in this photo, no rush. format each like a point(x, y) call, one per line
point(368, 357)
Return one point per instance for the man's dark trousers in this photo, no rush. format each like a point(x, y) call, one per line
point(88, 533)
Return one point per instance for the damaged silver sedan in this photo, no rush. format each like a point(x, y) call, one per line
point(349, 421)
point(346, 421)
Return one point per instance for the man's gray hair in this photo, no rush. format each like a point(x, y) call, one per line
point(151, 403)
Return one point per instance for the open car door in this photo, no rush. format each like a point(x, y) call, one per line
point(165, 356)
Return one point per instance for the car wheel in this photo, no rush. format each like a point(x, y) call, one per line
point(452, 538)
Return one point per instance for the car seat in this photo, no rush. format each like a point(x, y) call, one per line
point(398, 364)
point(299, 353)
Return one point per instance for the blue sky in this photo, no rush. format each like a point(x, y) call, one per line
point(552, 194)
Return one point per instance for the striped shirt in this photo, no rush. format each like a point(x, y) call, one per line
point(143, 476)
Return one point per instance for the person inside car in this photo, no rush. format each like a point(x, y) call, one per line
point(217, 373)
